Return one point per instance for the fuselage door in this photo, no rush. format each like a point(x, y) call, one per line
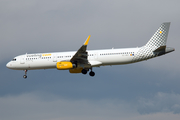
point(95, 55)
point(54, 58)
point(22, 60)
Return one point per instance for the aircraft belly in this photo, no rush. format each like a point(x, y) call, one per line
point(32, 65)
point(19, 66)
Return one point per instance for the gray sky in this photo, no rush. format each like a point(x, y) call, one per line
point(145, 90)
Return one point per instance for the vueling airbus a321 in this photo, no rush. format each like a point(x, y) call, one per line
point(83, 60)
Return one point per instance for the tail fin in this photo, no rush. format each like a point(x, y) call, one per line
point(156, 46)
point(160, 37)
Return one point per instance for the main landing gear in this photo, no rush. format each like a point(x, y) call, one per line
point(25, 76)
point(91, 73)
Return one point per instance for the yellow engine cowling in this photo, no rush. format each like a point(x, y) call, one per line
point(64, 65)
point(75, 70)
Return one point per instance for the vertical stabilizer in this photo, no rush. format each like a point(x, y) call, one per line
point(160, 36)
point(156, 45)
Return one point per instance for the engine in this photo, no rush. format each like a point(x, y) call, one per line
point(64, 65)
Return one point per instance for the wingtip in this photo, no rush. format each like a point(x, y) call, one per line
point(87, 40)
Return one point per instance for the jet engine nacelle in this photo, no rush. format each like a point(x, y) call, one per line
point(64, 65)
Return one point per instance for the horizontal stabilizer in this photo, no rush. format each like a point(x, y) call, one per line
point(163, 50)
point(160, 49)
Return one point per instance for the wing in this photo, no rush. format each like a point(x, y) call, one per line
point(81, 55)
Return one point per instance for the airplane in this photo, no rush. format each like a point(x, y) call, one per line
point(83, 60)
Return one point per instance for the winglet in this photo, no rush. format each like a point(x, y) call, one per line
point(87, 40)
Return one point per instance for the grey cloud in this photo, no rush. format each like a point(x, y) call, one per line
point(161, 102)
point(29, 106)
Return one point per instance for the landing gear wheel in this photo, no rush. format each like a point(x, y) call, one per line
point(92, 73)
point(25, 76)
point(84, 71)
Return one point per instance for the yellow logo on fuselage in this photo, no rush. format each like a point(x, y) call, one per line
point(46, 55)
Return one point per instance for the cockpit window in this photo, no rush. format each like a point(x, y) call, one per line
point(14, 59)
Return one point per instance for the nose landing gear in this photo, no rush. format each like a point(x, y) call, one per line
point(25, 76)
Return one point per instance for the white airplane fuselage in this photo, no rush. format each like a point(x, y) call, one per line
point(95, 57)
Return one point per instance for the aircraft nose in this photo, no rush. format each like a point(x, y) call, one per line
point(8, 65)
